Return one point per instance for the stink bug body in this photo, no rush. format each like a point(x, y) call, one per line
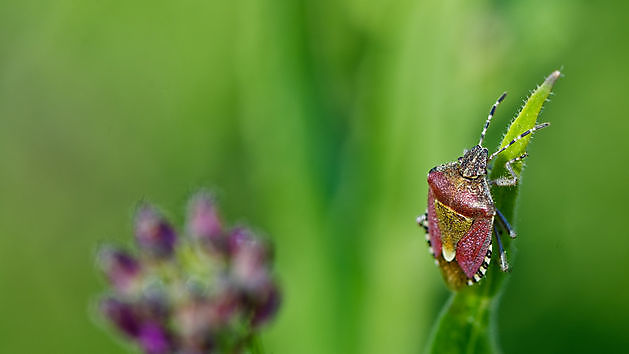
point(459, 220)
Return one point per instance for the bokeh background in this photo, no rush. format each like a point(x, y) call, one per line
point(315, 121)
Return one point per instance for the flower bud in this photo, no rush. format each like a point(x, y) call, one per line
point(249, 268)
point(267, 306)
point(201, 316)
point(236, 238)
point(153, 339)
point(122, 315)
point(192, 322)
point(204, 223)
point(154, 305)
point(153, 233)
point(223, 307)
point(122, 270)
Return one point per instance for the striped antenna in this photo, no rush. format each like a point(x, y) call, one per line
point(491, 114)
point(537, 127)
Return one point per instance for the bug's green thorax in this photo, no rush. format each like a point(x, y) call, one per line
point(474, 163)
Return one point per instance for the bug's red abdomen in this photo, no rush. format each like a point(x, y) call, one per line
point(465, 197)
point(471, 250)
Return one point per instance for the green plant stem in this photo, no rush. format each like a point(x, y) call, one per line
point(467, 321)
point(255, 345)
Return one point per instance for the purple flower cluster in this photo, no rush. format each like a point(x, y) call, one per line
point(205, 293)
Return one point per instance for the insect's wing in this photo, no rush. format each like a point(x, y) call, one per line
point(472, 248)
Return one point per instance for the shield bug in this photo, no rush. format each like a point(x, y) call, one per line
point(459, 219)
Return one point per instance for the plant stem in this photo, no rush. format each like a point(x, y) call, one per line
point(255, 344)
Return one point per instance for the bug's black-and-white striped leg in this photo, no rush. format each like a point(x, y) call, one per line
point(490, 116)
point(505, 224)
point(504, 266)
point(422, 221)
point(530, 131)
point(509, 181)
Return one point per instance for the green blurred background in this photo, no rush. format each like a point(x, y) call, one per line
point(315, 121)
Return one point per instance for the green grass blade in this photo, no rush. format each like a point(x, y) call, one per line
point(466, 323)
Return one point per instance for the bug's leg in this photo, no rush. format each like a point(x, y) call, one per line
point(422, 221)
point(509, 181)
point(530, 131)
point(505, 224)
point(504, 266)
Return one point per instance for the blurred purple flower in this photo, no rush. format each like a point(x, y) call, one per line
point(200, 316)
point(122, 270)
point(195, 303)
point(122, 315)
point(154, 235)
point(154, 306)
point(192, 322)
point(204, 223)
point(236, 238)
point(266, 309)
point(224, 306)
point(249, 263)
point(153, 339)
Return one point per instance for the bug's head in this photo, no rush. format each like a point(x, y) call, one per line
point(473, 163)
